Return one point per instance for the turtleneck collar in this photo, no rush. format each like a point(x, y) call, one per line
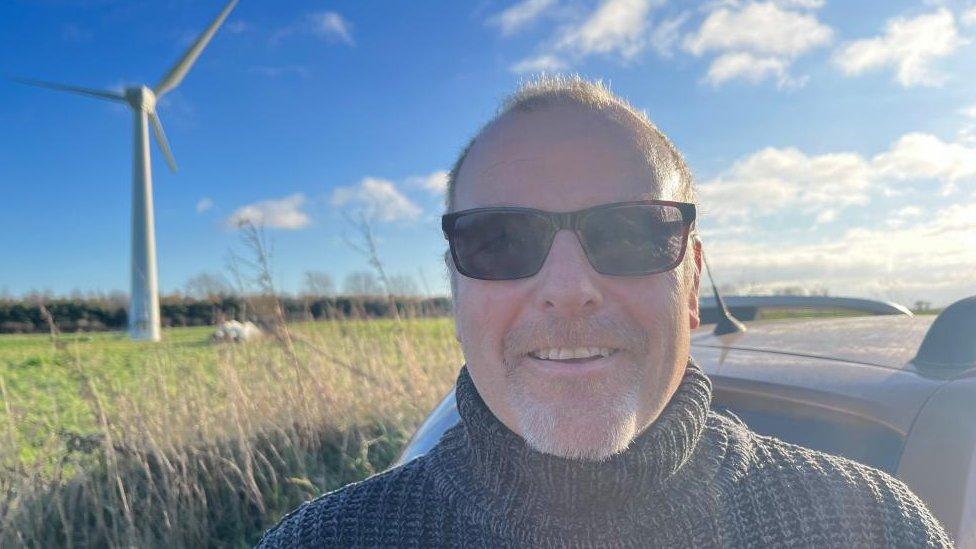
point(492, 468)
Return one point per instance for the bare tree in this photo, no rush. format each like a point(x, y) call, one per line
point(318, 283)
point(403, 285)
point(261, 259)
point(362, 283)
point(208, 286)
point(39, 295)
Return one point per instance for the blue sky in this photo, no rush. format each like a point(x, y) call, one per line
point(834, 143)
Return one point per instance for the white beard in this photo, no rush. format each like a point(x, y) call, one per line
point(600, 422)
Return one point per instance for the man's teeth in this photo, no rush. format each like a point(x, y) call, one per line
point(565, 353)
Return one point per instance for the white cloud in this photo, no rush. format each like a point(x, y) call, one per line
point(775, 180)
point(806, 4)
point(540, 63)
point(759, 27)
point(667, 33)
point(376, 198)
point(237, 27)
point(968, 17)
point(924, 156)
point(772, 179)
point(281, 213)
point(826, 216)
point(909, 211)
point(902, 216)
point(617, 29)
point(328, 25)
point(434, 183)
point(910, 46)
point(757, 40)
point(746, 66)
point(331, 26)
point(204, 204)
point(520, 15)
point(966, 135)
point(924, 257)
point(615, 26)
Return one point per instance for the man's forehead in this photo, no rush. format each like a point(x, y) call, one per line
point(556, 155)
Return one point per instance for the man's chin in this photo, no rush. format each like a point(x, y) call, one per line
point(577, 421)
point(579, 440)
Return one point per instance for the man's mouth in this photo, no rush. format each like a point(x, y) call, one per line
point(572, 354)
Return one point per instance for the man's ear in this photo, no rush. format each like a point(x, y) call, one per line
point(694, 318)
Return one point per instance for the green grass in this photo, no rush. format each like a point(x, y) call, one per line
point(104, 441)
point(44, 384)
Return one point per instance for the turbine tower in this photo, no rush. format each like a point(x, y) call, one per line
point(144, 296)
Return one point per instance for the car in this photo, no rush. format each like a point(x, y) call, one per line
point(891, 389)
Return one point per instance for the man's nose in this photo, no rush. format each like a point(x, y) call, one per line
point(567, 282)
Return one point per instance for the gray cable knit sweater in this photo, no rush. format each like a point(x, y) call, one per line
point(694, 478)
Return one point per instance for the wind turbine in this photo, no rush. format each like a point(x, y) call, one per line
point(144, 296)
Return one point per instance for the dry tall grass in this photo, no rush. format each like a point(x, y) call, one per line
point(211, 457)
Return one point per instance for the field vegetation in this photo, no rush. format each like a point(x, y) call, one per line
point(108, 442)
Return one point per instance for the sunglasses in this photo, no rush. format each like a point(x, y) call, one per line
point(636, 238)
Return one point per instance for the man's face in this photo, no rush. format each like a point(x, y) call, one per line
point(563, 158)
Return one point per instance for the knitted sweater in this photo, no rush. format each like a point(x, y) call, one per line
point(694, 478)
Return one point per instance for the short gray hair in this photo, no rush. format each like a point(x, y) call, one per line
point(662, 156)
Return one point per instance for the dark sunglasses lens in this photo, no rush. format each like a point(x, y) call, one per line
point(500, 245)
point(634, 239)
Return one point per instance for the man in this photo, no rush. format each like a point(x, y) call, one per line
point(575, 273)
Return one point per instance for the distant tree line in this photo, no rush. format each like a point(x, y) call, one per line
point(209, 298)
point(100, 313)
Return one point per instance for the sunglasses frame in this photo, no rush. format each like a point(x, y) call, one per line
point(572, 221)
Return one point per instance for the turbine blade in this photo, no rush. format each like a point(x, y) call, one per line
point(179, 70)
point(100, 94)
point(161, 139)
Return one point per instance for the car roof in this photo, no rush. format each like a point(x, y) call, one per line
point(885, 341)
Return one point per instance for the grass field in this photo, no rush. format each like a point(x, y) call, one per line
point(107, 442)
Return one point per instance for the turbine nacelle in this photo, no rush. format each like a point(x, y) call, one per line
point(140, 98)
